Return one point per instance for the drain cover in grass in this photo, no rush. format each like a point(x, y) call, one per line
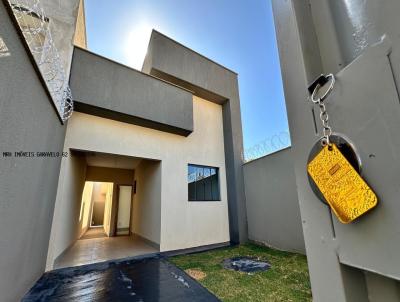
point(246, 264)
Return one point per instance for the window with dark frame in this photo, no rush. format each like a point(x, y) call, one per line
point(203, 183)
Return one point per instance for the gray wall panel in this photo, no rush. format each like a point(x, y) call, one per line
point(28, 122)
point(365, 107)
point(325, 271)
point(183, 63)
point(373, 127)
point(273, 212)
point(105, 88)
point(182, 66)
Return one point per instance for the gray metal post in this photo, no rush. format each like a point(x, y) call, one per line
point(355, 262)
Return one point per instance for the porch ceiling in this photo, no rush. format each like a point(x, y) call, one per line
point(96, 159)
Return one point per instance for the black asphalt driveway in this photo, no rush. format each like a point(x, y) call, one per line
point(143, 279)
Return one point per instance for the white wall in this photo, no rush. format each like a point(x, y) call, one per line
point(146, 218)
point(183, 224)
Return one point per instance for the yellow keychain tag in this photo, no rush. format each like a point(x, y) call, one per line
point(346, 192)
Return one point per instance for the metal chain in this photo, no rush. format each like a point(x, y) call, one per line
point(327, 130)
point(323, 115)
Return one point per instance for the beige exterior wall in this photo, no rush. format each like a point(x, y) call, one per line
point(71, 183)
point(183, 224)
point(146, 220)
point(80, 31)
point(86, 205)
point(102, 174)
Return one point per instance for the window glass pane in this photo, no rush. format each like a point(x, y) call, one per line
point(200, 184)
point(203, 183)
point(192, 182)
point(191, 173)
point(215, 185)
point(207, 184)
point(199, 173)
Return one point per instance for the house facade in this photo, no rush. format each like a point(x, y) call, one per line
point(154, 155)
point(181, 198)
point(178, 136)
point(168, 138)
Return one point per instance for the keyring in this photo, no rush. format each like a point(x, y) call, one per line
point(315, 101)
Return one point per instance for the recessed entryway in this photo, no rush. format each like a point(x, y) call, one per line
point(111, 210)
point(93, 250)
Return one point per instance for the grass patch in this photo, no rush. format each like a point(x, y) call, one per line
point(286, 280)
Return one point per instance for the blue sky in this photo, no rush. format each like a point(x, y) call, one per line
point(237, 34)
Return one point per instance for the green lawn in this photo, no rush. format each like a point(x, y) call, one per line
point(286, 280)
